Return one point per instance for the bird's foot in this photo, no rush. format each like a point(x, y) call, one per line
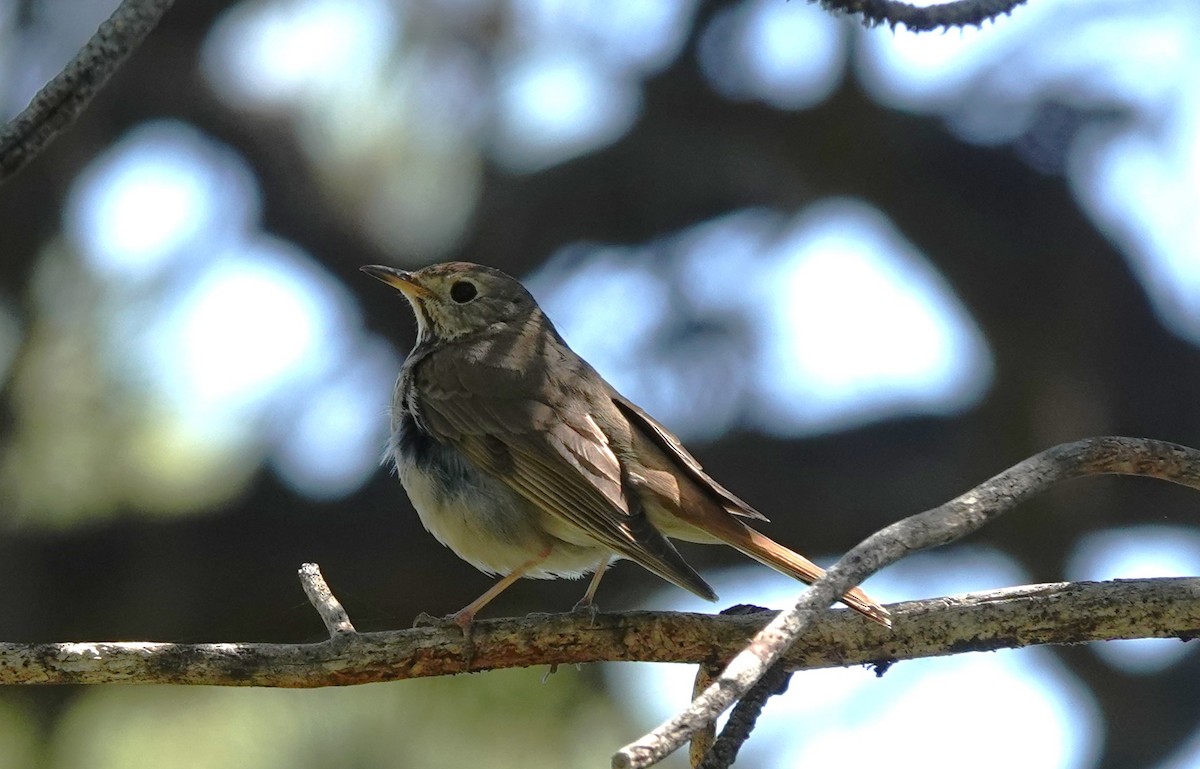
point(463, 620)
point(425, 619)
point(588, 607)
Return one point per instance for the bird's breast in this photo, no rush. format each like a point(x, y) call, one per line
point(476, 515)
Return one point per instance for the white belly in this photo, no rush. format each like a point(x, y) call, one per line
point(492, 528)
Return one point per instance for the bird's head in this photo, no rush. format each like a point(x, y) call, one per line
point(456, 299)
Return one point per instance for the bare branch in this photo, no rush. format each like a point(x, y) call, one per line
point(918, 18)
point(337, 622)
point(61, 101)
point(805, 636)
point(704, 739)
point(1060, 613)
point(700, 752)
point(744, 716)
point(939, 526)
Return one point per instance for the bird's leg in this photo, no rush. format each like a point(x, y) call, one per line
point(466, 615)
point(585, 603)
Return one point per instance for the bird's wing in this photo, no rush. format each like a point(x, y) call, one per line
point(684, 461)
point(713, 512)
point(556, 457)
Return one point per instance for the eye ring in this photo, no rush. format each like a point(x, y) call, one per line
point(463, 291)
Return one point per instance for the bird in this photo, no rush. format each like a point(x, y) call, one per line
point(525, 462)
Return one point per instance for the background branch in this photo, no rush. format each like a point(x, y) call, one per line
point(916, 18)
point(1061, 613)
point(62, 99)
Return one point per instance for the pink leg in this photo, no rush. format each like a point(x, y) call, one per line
point(466, 615)
point(586, 601)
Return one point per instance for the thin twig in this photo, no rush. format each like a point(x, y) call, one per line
point(1060, 613)
point(61, 101)
point(939, 526)
point(337, 622)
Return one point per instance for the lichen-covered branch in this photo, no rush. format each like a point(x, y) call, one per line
point(807, 635)
point(1038, 614)
point(939, 526)
point(62, 99)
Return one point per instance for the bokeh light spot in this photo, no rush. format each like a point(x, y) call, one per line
point(270, 53)
point(1133, 552)
point(860, 324)
point(789, 55)
point(159, 191)
point(554, 104)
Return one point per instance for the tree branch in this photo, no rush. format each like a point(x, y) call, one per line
point(744, 717)
point(916, 18)
point(703, 739)
point(805, 636)
point(337, 622)
point(1062, 613)
point(62, 99)
point(939, 526)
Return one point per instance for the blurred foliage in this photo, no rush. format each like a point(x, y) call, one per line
point(509, 719)
point(89, 439)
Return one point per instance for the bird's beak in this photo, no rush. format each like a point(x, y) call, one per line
point(405, 282)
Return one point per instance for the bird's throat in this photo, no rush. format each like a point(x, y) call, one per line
point(422, 315)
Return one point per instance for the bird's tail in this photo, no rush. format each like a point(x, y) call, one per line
point(769, 552)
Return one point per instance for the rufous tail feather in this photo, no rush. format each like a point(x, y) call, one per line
point(769, 552)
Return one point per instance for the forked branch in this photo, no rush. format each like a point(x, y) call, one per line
point(805, 636)
point(939, 526)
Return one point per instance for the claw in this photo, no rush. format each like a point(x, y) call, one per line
point(464, 620)
point(424, 619)
point(587, 606)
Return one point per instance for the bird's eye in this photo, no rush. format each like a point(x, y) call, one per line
point(463, 291)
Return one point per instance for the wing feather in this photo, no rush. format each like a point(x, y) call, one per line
point(558, 459)
point(683, 459)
